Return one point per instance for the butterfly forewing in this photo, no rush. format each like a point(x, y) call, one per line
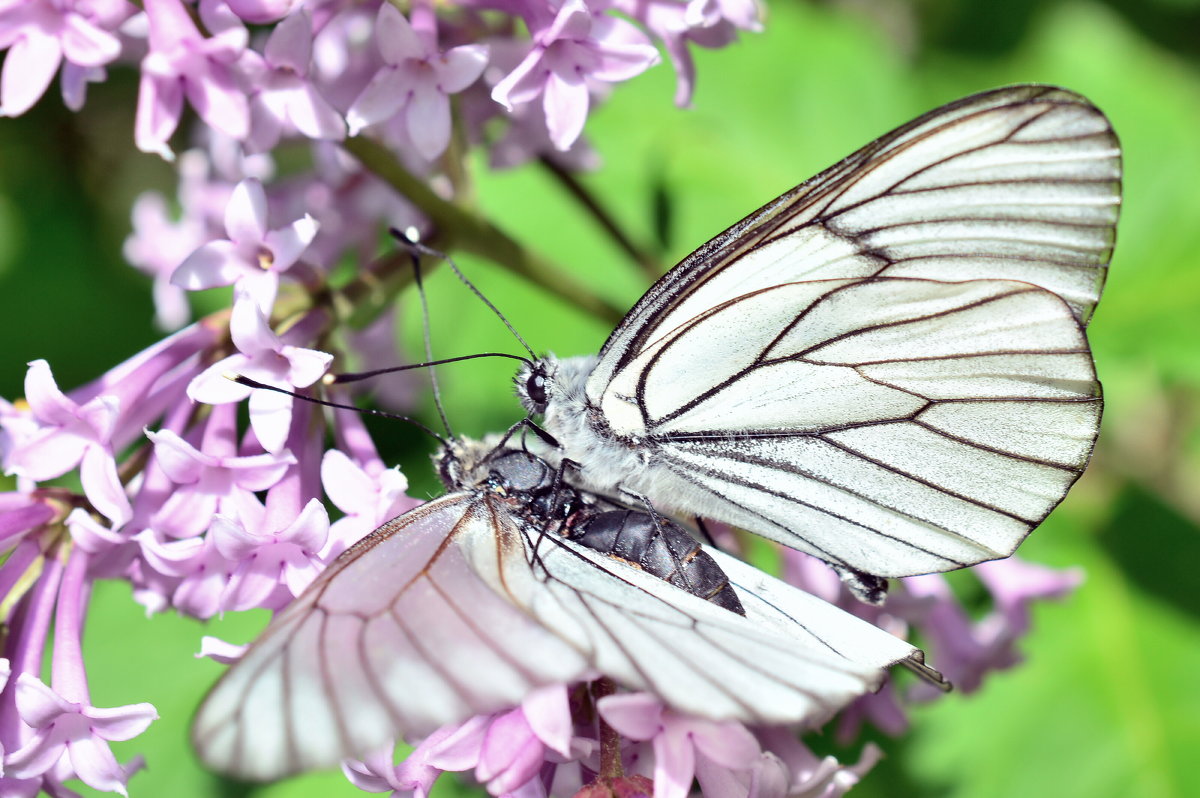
point(1021, 183)
point(885, 367)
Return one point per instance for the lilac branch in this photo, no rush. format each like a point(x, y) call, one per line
point(472, 233)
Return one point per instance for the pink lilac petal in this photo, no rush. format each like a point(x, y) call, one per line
point(157, 246)
point(456, 747)
point(246, 214)
point(21, 513)
point(290, 45)
point(48, 403)
point(29, 67)
point(547, 710)
point(220, 650)
point(260, 12)
point(638, 716)
point(271, 418)
point(269, 560)
point(459, 67)
point(193, 573)
point(102, 485)
point(383, 97)
point(90, 535)
point(566, 105)
point(395, 37)
point(377, 774)
point(511, 754)
point(249, 328)
point(428, 120)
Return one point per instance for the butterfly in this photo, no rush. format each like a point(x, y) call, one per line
point(465, 604)
point(887, 366)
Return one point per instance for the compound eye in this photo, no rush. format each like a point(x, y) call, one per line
point(535, 388)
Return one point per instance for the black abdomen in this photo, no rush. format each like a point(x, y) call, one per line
point(661, 548)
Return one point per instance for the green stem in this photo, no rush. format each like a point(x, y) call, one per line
point(649, 265)
point(469, 232)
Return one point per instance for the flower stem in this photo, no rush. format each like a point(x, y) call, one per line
point(648, 264)
point(610, 740)
point(472, 233)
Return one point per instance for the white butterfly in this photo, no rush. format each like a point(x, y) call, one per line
point(463, 606)
point(886, 367)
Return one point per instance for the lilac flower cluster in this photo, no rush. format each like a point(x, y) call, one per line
point(147, 475)
point(548, 746)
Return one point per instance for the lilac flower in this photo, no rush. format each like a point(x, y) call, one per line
point(40, 34)
point(706, 23)
point(368, 494)
point(376, 773)
point(253, 256)
point(212, 480)
point(156, 247)
point(71, 435)
point(266, 358)
point(190, 575)
point(417, 79)
point(577, 45)
point(73, 734)
point(284, 98)
point(276, 559)
point(54, 734)
point(806, 775)
point(680, 742)
point(183, 63)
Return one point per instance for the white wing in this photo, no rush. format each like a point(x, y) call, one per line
point(1021, 183)
point(448, 612)
point(398, 637)
point(886, 421)
point(800, 660)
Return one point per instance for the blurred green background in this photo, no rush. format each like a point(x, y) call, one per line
point(1108, 700)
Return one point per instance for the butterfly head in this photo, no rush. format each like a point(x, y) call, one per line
point(535, 382)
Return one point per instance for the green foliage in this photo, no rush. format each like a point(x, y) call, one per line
point(1106, 703)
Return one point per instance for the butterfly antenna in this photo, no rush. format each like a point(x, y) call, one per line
point(424, 250)
point(332, 379)
point(427, 336)
point(249, 383)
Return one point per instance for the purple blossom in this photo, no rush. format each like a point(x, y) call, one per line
point(680, 742)
point(707, 23)
point(73, 734)
point(575, 46)
point(253, 256)
point(368, 494)
point(40, 34)
point(275, 559)
point(284, 98)
point(376, 773)
point(157, 245)
point(264, 357)
point(183, 63)
point(417, 79)
point(190, 575)
point(210, 483)
point(71, 435)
